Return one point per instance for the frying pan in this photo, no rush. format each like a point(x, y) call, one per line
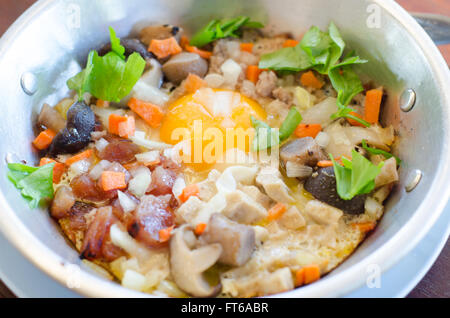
point(49, 43)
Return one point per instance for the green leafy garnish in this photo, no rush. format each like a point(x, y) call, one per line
point(356, 176)
point(35, 183)
point(218, 29)
point(267, 137)
point(375, 151)
point(322, 51)
point(109, 77)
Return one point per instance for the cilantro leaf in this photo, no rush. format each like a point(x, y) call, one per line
point(36, 184)
point(356, 176)
point(218, 29)
point(109, 77)
point(375, 151)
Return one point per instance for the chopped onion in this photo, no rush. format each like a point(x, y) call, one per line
point(303, 99)
point(148, 157)
point(140, 140)
point(231, 71)
point(214, 80)
point(133, 280)
point(373, 207)
point(98, 169)
point(322, 139)
point(80, 167)
point(101, 144)
point(123, 240)
point(320, 113)
point(140, 182)
point(149, 93)
point(297, 170)
point(178, 187)
point(126, 202)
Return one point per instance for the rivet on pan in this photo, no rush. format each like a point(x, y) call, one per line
point(28, 82)
point(413, 180)
point(407, 100)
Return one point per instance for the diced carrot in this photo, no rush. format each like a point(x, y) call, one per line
point(127, 127)
point(113, 122)
point(164, 234)
point(164, 48)
point(325, 163)
point(307, 275)
point(196, 50)
point(102, 103)
point(200, 228)
point(276, 211)
point(308, 79)
point(58, 169)
point(290, 43)
point(184, 41)
point(365, 226)
point(44, 139)
point(354, 122)
point(307, 130)
point(81, 156)
point(190, 190)
point(193, 83)
point(247, 47)
point(253, 73)
point(372, 105)
point(112, 180)
point(152, 114)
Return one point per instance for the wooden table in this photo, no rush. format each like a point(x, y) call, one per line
point(437, 281)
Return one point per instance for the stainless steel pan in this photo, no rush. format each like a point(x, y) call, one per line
point(45, 46)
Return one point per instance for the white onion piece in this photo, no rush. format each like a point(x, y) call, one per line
point(373, 207)
point(229, 179)
point(178, 187)
point(104, 113)
point(214, 80)
point(322, 139)
point(96, 172)
point(231, 71)
point(123, 240)
point(126, 202)
point(140, 182)
point(148, 157)
point(133, 280)
point(140, 140)
point(149, 93)
point(320, 113)
point(80, 167)
point(296, 170)
point(101, 144)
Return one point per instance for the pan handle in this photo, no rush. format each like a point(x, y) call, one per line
point(437, 26)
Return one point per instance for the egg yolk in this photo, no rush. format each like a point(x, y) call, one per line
point(210, 121)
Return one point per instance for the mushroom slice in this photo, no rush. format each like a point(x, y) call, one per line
point(181, 65)
point(303, 151)
point(187, 265)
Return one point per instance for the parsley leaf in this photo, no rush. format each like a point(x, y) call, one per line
point(375, 151)
point(292, 59)
point(267, 137)
point(35, 183)
point(218, 29)
point(356, 176)
point(109, 77)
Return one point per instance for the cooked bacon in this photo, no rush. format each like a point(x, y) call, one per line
point(97, 243)
point(162, 181)
point(63, 201)
point(119, 150)
point(152, 215)
point(85, 188)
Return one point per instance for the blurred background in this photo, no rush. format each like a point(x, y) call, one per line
point(437, 281)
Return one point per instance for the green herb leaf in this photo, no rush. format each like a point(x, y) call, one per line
point(116, 47)
point(36, 184)
point(356, 176)
point(292, 59)
point(217, 29)
point(375, 151)
point(290, 123)
point(109, 77)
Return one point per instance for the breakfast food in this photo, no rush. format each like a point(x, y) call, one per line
point(231, 164)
